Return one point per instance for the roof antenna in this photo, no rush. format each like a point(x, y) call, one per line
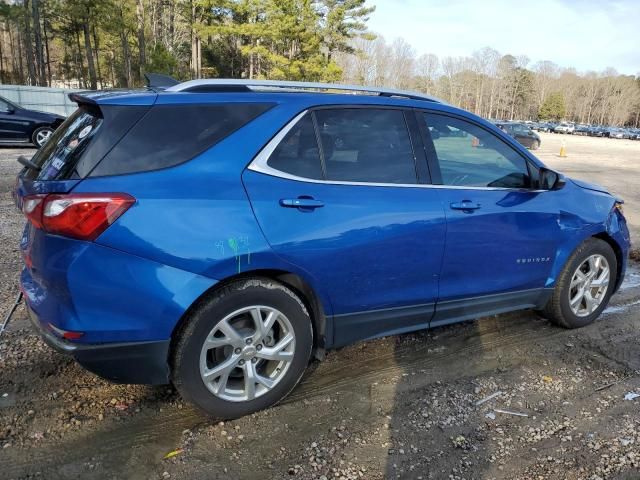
point(159, 80)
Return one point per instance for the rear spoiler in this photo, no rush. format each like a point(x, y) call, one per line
point(159, 81)
point(81, 98)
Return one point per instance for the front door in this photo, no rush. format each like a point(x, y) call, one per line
point(349, 210)
point(501, 232)
point(13, 126)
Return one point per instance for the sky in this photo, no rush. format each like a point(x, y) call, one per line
point(584, 34)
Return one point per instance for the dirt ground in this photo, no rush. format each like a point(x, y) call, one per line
point(398, 407)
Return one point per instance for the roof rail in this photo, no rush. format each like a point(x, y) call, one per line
point(243, 85)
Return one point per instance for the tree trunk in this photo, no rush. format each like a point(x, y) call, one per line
point(126, 58)
point(141, 43)
point(45, 29)
point(195, 44)
point(37, 35)
point(79, 63)
point(89, 52)
point(172, 26)
point(96, 51)
point(2, 54)
point(33, 76)
point(20, 64)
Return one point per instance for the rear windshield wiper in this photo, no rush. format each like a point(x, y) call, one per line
point(22, 160)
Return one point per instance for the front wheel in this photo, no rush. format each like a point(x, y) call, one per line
point(584, 286)
point(244, 349)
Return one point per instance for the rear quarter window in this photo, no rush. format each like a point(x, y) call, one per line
point(172, 134)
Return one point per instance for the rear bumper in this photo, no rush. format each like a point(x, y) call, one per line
point(131, 362)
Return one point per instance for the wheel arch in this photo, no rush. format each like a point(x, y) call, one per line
point(619, 256)
point(322, 331)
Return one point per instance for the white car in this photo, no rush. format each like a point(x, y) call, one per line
point(565, 128)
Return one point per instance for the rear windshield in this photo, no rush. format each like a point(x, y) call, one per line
point(172, 134)
point(58, 157)
point(82, 140)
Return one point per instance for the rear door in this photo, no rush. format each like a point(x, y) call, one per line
point(351, 210)
point(502, 232)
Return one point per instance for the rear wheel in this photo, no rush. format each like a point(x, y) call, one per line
point(244, 349)
point(41, 135)
point(584, 286)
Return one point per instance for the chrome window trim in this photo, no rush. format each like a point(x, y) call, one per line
point(260, 165)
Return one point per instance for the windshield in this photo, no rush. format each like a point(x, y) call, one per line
point(58, 158)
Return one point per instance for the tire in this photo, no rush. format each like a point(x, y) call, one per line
point(535, 145)
point(559, 309)
point(230, 397)
point(41, 135)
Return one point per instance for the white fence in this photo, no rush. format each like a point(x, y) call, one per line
point(54, 100)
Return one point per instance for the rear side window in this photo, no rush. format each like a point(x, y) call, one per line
point(298, 153)
point(366, 145)
point(172, 134)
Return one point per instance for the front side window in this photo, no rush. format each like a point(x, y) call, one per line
point(471, 156)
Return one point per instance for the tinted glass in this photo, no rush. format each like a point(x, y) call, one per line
point(471, 156)
point(82, 140)
point(366, 145)
point(172, 134)
point(298, 153)
point(58, 157)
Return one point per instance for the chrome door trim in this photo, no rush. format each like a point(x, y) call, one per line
point(259, 164)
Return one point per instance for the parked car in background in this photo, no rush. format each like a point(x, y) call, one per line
point(581, 130)
point(218, 234)
point(564, 128)
point(543, 127)
point(618, 133)
point(598, 131)
point(522, 133)
point(21, 125)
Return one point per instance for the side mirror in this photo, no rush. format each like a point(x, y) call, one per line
point(550, 180)
point(8, 110)
point(435, 134)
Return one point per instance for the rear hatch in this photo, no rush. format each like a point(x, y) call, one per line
point(57, 217)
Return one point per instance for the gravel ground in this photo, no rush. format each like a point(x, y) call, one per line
point(399, 407)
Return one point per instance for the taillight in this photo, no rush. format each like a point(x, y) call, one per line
point(32, 209)
point(77, 215)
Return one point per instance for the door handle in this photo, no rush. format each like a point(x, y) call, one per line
point(465, 205)
point(303, 203)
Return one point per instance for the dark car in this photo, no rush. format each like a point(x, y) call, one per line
point(543, 127)
point(21, 125)
point(522, 133)
point(581, 130)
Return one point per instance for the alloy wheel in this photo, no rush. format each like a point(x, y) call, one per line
point(589, 285)
point(247, 353)
point(42, 136)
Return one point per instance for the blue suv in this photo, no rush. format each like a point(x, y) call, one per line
point(217, 234)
